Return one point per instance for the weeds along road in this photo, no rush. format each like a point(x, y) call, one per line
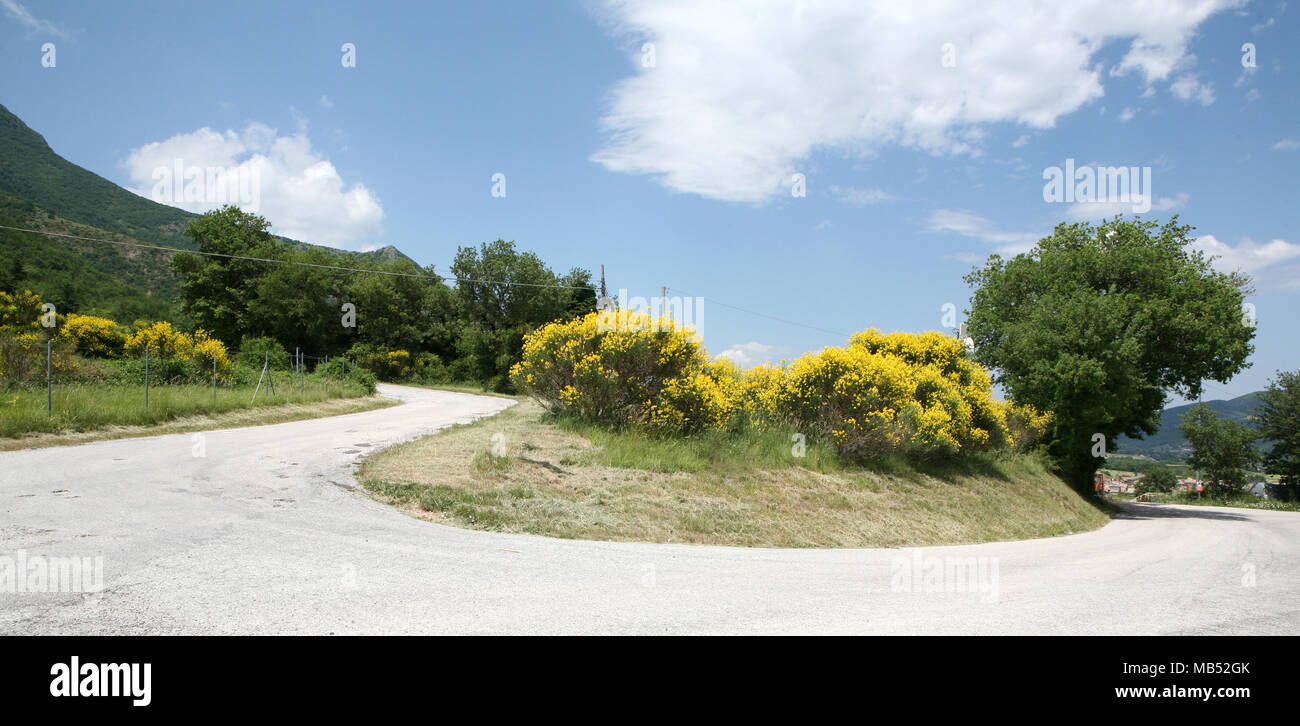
point(267, 533)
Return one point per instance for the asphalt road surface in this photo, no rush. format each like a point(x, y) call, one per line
point(267, 533)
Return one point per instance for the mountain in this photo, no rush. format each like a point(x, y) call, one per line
point(1168, 444)
point(30, 170)
point(41, 190)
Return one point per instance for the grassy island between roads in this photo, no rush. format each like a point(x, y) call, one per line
point(562, 479)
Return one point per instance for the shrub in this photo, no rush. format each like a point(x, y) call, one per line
point(162, 341)
point(19, 311)
point(623, 367)
point(208, 350)
point(92, 336)
point(916, 395)
point(397, 365)
point(254, 352)
point(1026, 424)
point(340, 370)
point(21, 356)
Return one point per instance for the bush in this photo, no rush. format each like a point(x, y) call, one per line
point(254, 352)
point(19, 311)
point(912, 395)
point(1026, 424)
point(208, 351)
point(161, 340)
point(339, 370)
point(624, 367)
point(92, 336)
point(21, 356)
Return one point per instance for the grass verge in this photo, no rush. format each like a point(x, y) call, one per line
point(1245, 501)
point(85, 413)
point(561, 479)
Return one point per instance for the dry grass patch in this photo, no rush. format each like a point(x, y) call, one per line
point(558, 481)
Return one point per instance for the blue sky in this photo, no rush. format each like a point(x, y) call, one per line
point(919, 157)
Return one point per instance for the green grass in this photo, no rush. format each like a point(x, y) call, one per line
point(714, 451)
point(80, 407)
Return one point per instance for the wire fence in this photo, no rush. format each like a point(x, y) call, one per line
point(56, 364)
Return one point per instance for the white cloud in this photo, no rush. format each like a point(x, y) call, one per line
point(1082, 211)
point(1127, 114)
point(969, 224)
point(1247, 256)
point(748, 355)
point(741, 94)
point(861, 197)
point(1024, 139)
point(17, 11)
point(301, 193)
point(326, 102)
point(1189, 87)
point(1286, 145)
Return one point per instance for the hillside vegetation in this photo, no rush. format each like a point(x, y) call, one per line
point(1168, 443)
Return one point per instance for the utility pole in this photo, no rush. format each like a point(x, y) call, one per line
point(663, 305)
point(602, 280)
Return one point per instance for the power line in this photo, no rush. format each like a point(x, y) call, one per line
point(765, 315)
point(173, 250)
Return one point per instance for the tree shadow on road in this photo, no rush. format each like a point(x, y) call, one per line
point(1128, 510)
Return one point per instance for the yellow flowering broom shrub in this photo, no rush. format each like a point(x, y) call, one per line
point(915, 395)
point(206, 351)
point(162, 340)
point(19, 310)
point(92, 335)
point(625, 367)
point(1027, 424)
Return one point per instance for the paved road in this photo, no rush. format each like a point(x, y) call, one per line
point(268, 534)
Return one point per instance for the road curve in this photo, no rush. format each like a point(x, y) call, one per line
point(267, 533)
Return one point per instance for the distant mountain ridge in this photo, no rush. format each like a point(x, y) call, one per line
point(30, 170)
point(41, 190)
point(1168, 443)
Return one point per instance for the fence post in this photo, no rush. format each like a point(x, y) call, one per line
point(146, 377)
point(214, 378)
point(49, 397)
point(259, 385)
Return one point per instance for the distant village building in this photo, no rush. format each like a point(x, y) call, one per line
point(1118, 484)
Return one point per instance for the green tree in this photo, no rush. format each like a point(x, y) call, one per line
point(408, 313)
point(1222, 450)
point(1157, 479)
point(216, 291)
point(1100, 324)
point(503, 294)
point(1278, 416)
